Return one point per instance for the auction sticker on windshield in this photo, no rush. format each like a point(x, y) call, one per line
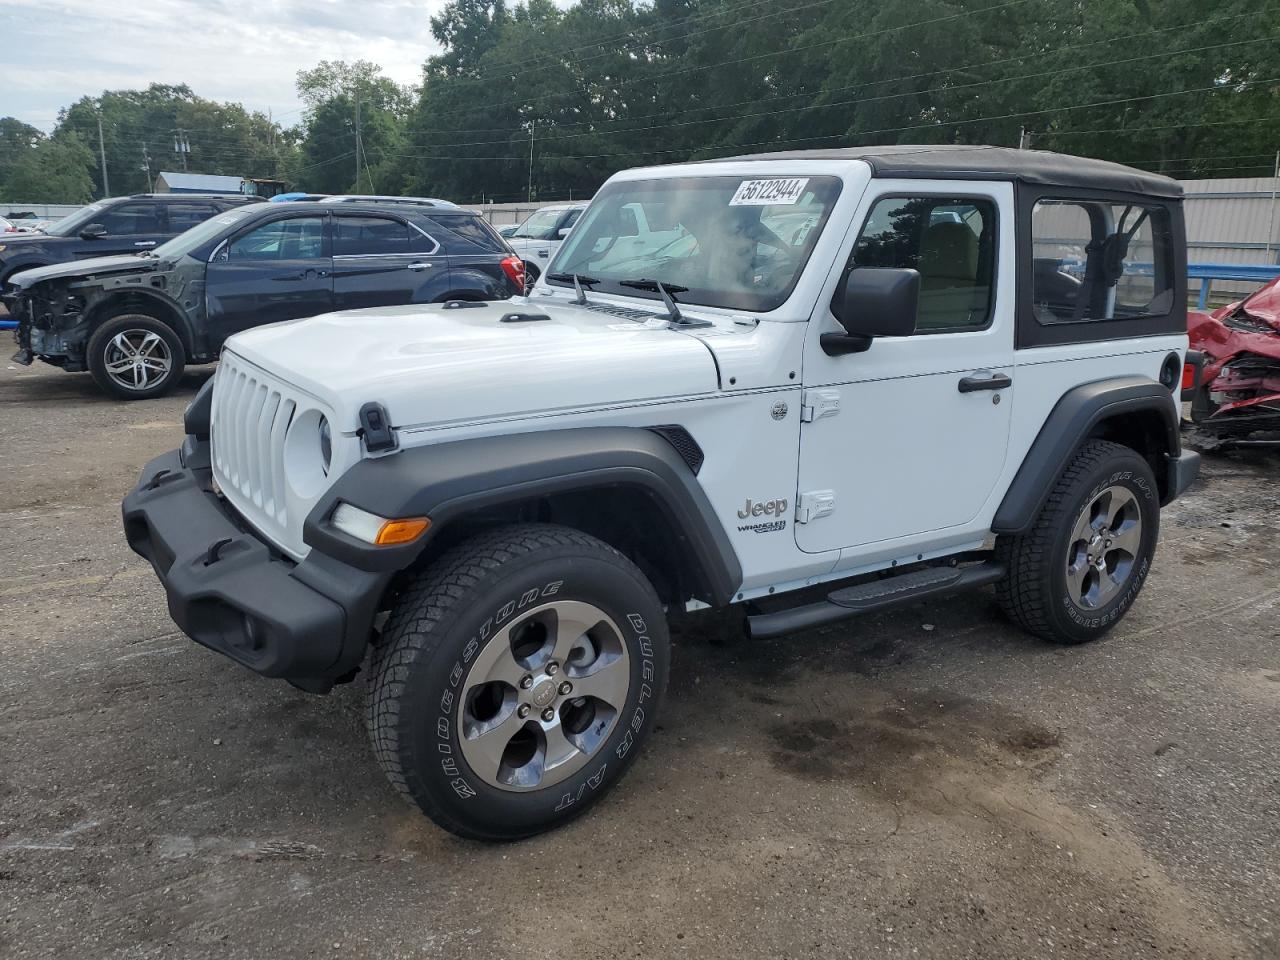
point(760, 193)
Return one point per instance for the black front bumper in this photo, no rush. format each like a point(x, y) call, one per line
point(308, 622)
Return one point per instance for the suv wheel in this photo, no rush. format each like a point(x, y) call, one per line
point(517, 677)
point(133, 356)
point(1080, 567)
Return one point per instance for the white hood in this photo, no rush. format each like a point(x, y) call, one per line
point(429, 365)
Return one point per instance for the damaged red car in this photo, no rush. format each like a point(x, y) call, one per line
point(1236, 390)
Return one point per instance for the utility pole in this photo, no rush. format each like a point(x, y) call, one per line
point(102, 154)
point(1271, 221)
point(533, 128)
point(358, 144)
point(1024, 139)
point(146, 166)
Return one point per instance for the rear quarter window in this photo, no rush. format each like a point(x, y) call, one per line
point(470, 231)
point(1100, 261)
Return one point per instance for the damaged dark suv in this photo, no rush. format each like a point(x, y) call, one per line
point(135, 321)
point(114, 226)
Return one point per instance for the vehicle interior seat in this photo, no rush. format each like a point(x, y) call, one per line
point(951, 293)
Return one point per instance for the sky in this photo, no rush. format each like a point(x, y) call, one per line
point(56, 51)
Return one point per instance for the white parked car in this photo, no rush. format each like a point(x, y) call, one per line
point(863, 369)
point(537, 239)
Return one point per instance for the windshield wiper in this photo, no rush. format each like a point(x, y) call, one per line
point(570, 277)
point(665, 290)
point(577, 280)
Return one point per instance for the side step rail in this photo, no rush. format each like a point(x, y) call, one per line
point(875, 595)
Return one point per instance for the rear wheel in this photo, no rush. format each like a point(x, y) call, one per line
point(531, 273)
point(1080, 567)
point(518, 676)
point(134, 356)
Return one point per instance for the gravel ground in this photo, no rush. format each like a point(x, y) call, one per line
point(926, 783)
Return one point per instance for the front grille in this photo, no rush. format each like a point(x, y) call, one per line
point(251, 416)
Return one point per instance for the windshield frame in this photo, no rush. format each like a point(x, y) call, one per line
point(831, 185)
point(70, 224)
point(213, 228)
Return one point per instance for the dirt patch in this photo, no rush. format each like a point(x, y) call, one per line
point(901, 743)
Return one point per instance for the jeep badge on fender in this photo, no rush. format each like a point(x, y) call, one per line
point(498, 574)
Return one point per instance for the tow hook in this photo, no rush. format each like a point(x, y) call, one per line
point(215, 551)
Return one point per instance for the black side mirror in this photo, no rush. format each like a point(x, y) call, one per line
point(875, 302)
point(93, 231)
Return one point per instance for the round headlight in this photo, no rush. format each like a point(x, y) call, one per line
point(326, 445)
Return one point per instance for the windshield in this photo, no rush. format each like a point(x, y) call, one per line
point(726, 241)
point(73, 222)
point(203, 232)
point(540, 226)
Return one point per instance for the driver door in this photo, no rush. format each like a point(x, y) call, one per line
point(131, 227)
point(279, 270)
point(904, 444)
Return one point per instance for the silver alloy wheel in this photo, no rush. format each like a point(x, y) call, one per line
point(137, 359)
point(543, 696)
point(1104, 547)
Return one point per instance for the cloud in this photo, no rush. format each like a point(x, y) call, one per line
point(57, 52)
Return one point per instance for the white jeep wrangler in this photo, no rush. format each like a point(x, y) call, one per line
point(897, 371)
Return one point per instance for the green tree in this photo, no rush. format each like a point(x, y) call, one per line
point(16, 139)
point(54, 170)
point(140, 127)
point(328, 161)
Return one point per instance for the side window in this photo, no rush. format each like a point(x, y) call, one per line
point(471, 229)
point(185, 215)
point(130, 218)
point(571, 219)
point(301, 238)
point(370, 236)
point(950, 241)
point(1097, 260)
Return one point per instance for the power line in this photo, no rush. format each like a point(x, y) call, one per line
point(772, 53)
point(940, 125)
point(879, 98)
point(599, 124)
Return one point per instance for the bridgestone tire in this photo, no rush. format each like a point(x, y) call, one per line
point(438, 629)
point(96, 354)
point(1035, 593)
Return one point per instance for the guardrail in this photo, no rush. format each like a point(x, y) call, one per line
point(1206, 273)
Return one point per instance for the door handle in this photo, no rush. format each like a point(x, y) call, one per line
point(145, 243)
point(418, 266)
point(994, 381)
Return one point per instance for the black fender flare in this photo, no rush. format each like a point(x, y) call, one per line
point(447, 481)
point(1079, 411)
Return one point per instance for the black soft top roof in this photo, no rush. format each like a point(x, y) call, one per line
point(1038, 167)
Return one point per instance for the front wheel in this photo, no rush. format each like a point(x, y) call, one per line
point(517, 678)
point(133, 356)
point(1080, 567)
